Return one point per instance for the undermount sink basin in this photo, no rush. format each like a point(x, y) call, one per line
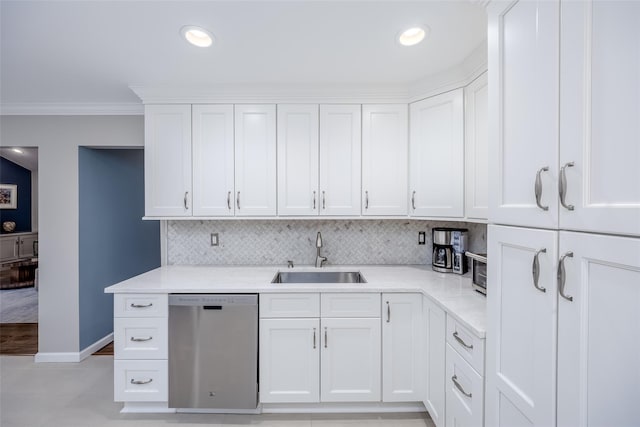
point(318, 277)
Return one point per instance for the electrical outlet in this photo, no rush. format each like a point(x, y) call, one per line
point(421, 237)
point(214, 239)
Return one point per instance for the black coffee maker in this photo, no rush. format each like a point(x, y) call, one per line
point(448, 250)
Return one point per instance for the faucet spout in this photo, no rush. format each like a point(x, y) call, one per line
point(319, 258)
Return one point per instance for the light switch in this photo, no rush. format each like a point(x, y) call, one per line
point(421, 237)
point(214, 239)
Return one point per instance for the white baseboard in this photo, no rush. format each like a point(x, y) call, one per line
point(73, 357)
point(338, 408)
point(147, 408)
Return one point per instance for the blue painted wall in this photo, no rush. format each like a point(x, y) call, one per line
point(11, 173)
point(115, 244)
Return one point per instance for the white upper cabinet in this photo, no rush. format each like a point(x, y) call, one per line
point(600, 111)
point(523, 131)
point(521, 324)
point(255, 160)
point(213, 163)
point(436, 150)
point(476, 148)
point(598, 331)
point(384, 159)
point(298, 160)
point(167, 160)
point(340, 157)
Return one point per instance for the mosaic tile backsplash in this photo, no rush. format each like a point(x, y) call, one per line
point(273, 242)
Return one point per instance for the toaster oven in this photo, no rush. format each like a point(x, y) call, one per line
point(478, 271)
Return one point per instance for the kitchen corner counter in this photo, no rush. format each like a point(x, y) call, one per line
point(452, 292)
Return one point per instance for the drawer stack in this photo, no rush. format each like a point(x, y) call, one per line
point(140, 348)
point(464, 376)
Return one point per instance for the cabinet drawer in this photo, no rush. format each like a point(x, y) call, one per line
point(140, 305)
point(469, 346)
point(290, 305)
point(464, 392)
point(140, 381)
point(350, 305)
point(140, 337)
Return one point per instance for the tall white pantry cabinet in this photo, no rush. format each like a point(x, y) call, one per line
point(563, 336)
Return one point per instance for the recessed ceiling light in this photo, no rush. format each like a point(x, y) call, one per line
point(17, 150)
point(197, 36)
point(412, 36)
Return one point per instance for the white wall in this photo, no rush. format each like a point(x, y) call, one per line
point(58, 139)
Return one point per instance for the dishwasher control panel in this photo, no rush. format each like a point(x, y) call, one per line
point(213, 299)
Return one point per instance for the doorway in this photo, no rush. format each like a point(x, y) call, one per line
point(18, 250)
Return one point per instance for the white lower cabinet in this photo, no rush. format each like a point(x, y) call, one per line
point(434, 320)
point(402, 335)
point(350, 368)
point(141, 369)
point(289, 360)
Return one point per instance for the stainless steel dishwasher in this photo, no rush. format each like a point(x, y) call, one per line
point(213, 351)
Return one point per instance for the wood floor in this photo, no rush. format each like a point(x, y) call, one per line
point(21, 339)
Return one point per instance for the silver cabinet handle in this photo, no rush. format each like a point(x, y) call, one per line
point(413, 200)
point(135, 339)
point(366, 200)
point(324, 205)
point(562, 186)
point(186, 194)
point(388, 312)
point(229, 200)
point(238, 200)
point(314, 338)
point(538, 188)
point(459, 387)
point(314, 200)
point(461, 341)
point(561, 276)
point(134, 305)
point(139, 382)
point(535, 269)
point(325, 337)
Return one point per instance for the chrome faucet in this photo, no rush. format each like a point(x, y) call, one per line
point(319, 258)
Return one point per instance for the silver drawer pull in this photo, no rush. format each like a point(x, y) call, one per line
point(562, 277)
point(413, 200)
point(538, 188)
point(457, 337)
point(366, 200)
point(229, 200)
point(388, 312)
point(136, 339)
point(459, 387)
point(314, 338)
point(186, 194)
point(535, 269)
point(238, 200)
point(134, 305)
point(325, 337)
point(314, 200)
point(141, 382)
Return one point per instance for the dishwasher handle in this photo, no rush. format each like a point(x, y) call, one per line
point(212, 307)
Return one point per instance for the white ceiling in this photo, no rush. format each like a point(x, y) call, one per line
point(91, 51)
point(28, 158)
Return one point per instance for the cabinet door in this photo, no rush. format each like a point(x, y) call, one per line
point(599, 331)
point(9, 247)
point(340, 158)
point(213, 160)
point(437, 156)
point(465, 393)
point(476, 149)
point(435, 327)
point(298, 160)
point(167, 160)
point(600, 109)
point(350, 360)
point(27, 245)
point(385, 160)
point(402, 334)
point(289, 360)
point(255, 149)
point(521, 327)
point(523, 128)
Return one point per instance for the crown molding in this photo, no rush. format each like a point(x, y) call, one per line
point(70, 109)
point(278, 94)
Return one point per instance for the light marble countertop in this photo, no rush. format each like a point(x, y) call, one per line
point(452, 292)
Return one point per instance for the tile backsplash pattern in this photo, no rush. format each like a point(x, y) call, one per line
point(273, 242)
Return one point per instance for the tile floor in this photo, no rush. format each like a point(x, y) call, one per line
point(81, 395)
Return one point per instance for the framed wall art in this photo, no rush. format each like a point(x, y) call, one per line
point(8, 196)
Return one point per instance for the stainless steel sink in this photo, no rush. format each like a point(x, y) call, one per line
point(318, 277)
